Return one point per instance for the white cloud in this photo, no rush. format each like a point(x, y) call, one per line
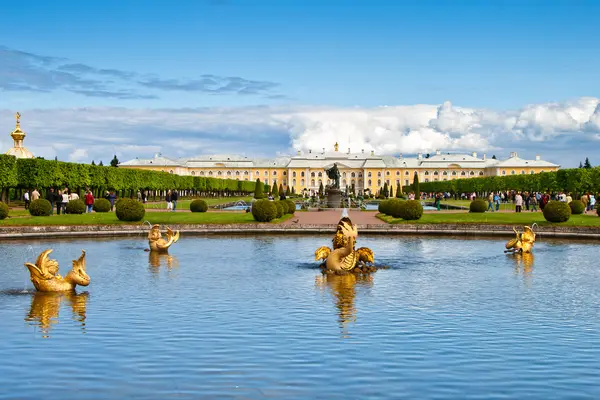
point(98, 133)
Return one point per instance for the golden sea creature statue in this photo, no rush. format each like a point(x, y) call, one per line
point(45, 277)
point(523, 243)
point(157, 243)
point(343, 257)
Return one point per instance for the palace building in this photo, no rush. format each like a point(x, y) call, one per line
point(18, 150)
point(366, 171)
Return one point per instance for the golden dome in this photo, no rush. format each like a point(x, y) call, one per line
point(18, 150)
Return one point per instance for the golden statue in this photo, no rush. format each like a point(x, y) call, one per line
point(157, 243)
point(45, 277)
point(18, 118)
point(344, 258)
point(523, 243)
point(45, 307)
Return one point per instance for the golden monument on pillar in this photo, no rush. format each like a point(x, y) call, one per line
point(18, 150)
point(45, 277)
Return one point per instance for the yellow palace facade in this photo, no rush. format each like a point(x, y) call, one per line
point(366, 171)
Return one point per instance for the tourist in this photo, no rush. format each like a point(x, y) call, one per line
point(518, 202)
point(527, 199)
point(592, 202)
point(497, 201)
point(139, 196)
point(58, 201)
point(35, 195)
point(174, 198)
point(438, 201)
point(26, 199)
point(51, 197)
point(585, 199)
point(89, 201)
point(411, 196)
point(73, 196)
point(112, 198)
point(568, 199)
point(533, 202)
point(168, 200)
point(491, 202)
point(65, 200)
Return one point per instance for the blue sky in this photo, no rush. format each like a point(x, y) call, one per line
point(292, 55)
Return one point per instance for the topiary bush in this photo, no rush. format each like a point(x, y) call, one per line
point(3, 210)
point(410, 210)
point(198, 205)
point(75, 207)
point(280, 208)
point(264, 210)
point(130, 210)
point(291, 206)
point(557, 211)
point(101, 205)
point(577, 207)
point(395, 208)
point(40, 208)
point(478, 206)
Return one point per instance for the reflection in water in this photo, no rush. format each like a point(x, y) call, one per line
point(156, 260)
point(45, 307)
point(525, 262)
point(343, 287)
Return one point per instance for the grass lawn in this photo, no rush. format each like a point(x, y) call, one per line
point(163, 218)
point(524, 218)
point(466, 203)
point(185, 204)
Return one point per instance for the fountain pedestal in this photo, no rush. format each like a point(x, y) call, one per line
point(334, 198)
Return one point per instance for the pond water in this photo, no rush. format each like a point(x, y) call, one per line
point(375, 206)
point(243, 207)
point(252, 317)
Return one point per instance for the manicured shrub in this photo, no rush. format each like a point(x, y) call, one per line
point(577, 207)
point(280, 208)
point(383, 207)
point(395, 208)
point(410, 210)
point(40, 208)
point(291, 206)
point(101, 205)
point(264, 210)
point(3, 210)
point(557, 211)
point(478, 206)
point(130, 210)
point(75, 207)
point(198, 206)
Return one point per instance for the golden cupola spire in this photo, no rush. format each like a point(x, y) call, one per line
point(336, 146)
point(18, 135)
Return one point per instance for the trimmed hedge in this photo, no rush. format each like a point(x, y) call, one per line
point(577, 207)
point(280, 208)
point(557, 211)
point(410, 210)
point(75, 207)
point(478, 206)
point(198, 205)
point(101, 205)
point(130, 210)
point(264, 210)
point(3, 210)
point(291, 206)
point(40, 208)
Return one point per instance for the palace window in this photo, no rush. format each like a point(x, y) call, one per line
point(387, 181)
point(503, 172)
point(228, 173)
point(312, 182)
point(360, 174)
point(209, 173)
point(284, 173)
point(426, 180)
point(266, 181)
point(343, 174)
point(445, 179)
point(379, 174)
point(193, 173)
point(445, 173)
point(523, 172)
point(353, 174)
point(397, 173)
point(407, 173)
point(237, 173)
point(301, 182)
point(397, 181)
point(513, 172)
point(201, 173)
point(219, 173)
point(353, 182)
point(302, 174)
point(480, 173)
point(387, 173)
point(472, 173)
point(293, 182)
point(369, 182)
point(426, 173)
point(274, 173)
point(453, 173)
point(435, 173)
point(312, 175)
point(406, 182)
point(266, 173)
point(369, 175)
point(245, 172)
point(531, 172)
point(171, 171)
point(294, 174)
point(463, 173)
point(378, 182)
point(320, 174)
point(542, 171)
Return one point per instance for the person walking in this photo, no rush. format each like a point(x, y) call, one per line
point(112, 197)
point(533, 203)
point(592, 202)
point(497, 201)
point(139, 196)
point(65, 200)
point(174, 198)
point(491, 202)
point(51, 197)
point(89, 201)
point(518, 202)
point(35, 195)
point(168, 200)
point(585, 199)
point(26, 199)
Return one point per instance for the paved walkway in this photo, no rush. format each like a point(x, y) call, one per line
point(332, 217)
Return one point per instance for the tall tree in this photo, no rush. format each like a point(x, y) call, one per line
point(93, 163)
point(266, 188)
point(100, 164)
point(494, 157)
point(281, 192)
point(258, 189)
point(55, 158)
point(580, 164)
point(274, 190)
point(398, 190)
point(416, 186)
point(114, 162)
point(386, 190)
point(587, 163)
point(391, 191)
point(321, 190)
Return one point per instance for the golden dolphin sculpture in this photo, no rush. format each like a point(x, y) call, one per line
point(343, 257)
point(523, 242)
point(157, 243)
point(45, 277)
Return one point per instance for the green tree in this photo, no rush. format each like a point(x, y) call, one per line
point(266, 188)
point(398, 190)
point(386, 190)
point(100, 164)
point(580, 164)
point(114, 162)
point(274, 190)
point(93, 163)
point(494, 157)
point(281, 192)
point(321, 190)
point(258, 190)
point(416, 186)
point(391, 191)
point(587, 163)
